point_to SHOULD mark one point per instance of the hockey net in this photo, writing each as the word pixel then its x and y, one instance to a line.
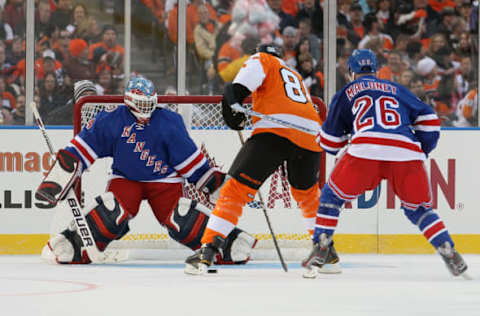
pixel 203 118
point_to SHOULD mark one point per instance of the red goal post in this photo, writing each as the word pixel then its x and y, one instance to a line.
pixel 204 121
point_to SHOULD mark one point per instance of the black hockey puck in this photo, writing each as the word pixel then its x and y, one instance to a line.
pixel 212 271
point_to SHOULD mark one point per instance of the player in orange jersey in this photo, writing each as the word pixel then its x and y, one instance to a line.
pixel 278 91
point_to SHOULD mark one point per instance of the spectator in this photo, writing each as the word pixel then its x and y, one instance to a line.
pixel 415 52
pixel 355 28
pixel 48 63
pixel 62 16
pixel 18 114
pixel 372 27
pixel 467 110
pixel 15 14
pixel 108 42
pixel 305 68
pixel 312 10
pixel 304 31
pixel 249 45
pixel 465 46
pixel 204 36
pixel 227 54
pixel 394 67
pixel 464 76
pixel 303 46
pixel 466 13
pixel 105 84
pixel 5 117
pixel 79 14
pixel 15 53
pixel 193 17
pixel 79 67
pixel 51 97
pixel 445 24
pixel 61 45
pixel 416 86
pixel 42 19
pixel 438 41
pixel 8 100
pixel 405 77
pixel 290 40
pixel 285 19
pixel 384 14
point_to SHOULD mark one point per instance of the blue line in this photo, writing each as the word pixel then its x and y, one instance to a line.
pixel 248 266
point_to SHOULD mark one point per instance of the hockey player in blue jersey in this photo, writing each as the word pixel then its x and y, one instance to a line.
pixel 389 133
pixel 152 157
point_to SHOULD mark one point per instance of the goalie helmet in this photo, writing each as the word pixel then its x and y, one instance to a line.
pixel 362 61
pixel 271 49
pixel 82 88
pixel 140 97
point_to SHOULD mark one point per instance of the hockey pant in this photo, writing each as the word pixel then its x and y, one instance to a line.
pixel 259 158
pixel 353 176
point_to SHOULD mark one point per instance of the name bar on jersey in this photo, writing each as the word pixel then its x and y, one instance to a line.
pixel 356 88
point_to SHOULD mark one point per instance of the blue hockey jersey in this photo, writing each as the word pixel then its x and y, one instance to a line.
pixel 161 151
pixel 380 120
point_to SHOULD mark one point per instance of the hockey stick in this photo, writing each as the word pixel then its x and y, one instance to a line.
pixel 83 229
pixel 264 209
pixel 237 107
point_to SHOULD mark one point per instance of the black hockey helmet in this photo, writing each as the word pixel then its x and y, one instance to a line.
pixel 271 49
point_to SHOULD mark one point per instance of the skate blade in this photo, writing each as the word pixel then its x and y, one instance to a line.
pixel 310 273
pixel 190 269
pixel 466 276
pixel 330 268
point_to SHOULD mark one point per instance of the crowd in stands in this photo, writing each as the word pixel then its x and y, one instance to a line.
pixel 429 46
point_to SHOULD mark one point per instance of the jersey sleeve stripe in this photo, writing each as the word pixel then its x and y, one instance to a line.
pixel 188 160
pixel 188 170
pixel 87 153
pixel 332 145
pixel 426 117
pixel 335 139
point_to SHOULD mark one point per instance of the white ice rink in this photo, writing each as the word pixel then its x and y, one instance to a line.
pixel 369 285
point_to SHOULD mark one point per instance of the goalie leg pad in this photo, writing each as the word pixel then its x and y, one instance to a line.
pixel 65 248
pixel 60 178
pixel 186 224
pixel 107 220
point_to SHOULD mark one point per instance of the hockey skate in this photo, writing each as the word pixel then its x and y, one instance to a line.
pixel 453 260
pixel 322 259
pixel 198 263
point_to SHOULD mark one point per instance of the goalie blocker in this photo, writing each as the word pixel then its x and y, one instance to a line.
pixel 109 221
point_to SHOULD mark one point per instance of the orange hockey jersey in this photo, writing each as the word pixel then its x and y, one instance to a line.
pixel 279 91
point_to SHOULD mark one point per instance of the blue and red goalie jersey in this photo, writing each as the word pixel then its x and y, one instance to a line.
pixel 382 120
pixel 161 151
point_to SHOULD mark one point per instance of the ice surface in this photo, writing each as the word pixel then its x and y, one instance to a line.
pixel 369 285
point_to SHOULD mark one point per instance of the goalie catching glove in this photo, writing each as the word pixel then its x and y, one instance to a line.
pixel 210 183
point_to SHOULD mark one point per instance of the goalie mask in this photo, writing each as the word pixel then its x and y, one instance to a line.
pixel 140 97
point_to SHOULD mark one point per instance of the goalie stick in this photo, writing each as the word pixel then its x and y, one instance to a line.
pixel 237 107
pixel 79 219
pixel 274 238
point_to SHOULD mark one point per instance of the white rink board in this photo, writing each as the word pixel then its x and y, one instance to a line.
pixel 454 154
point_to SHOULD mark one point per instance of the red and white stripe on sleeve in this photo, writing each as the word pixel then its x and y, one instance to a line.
pixel 331 143
pixel 87 154
pixel 191 164
pixel 427 123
